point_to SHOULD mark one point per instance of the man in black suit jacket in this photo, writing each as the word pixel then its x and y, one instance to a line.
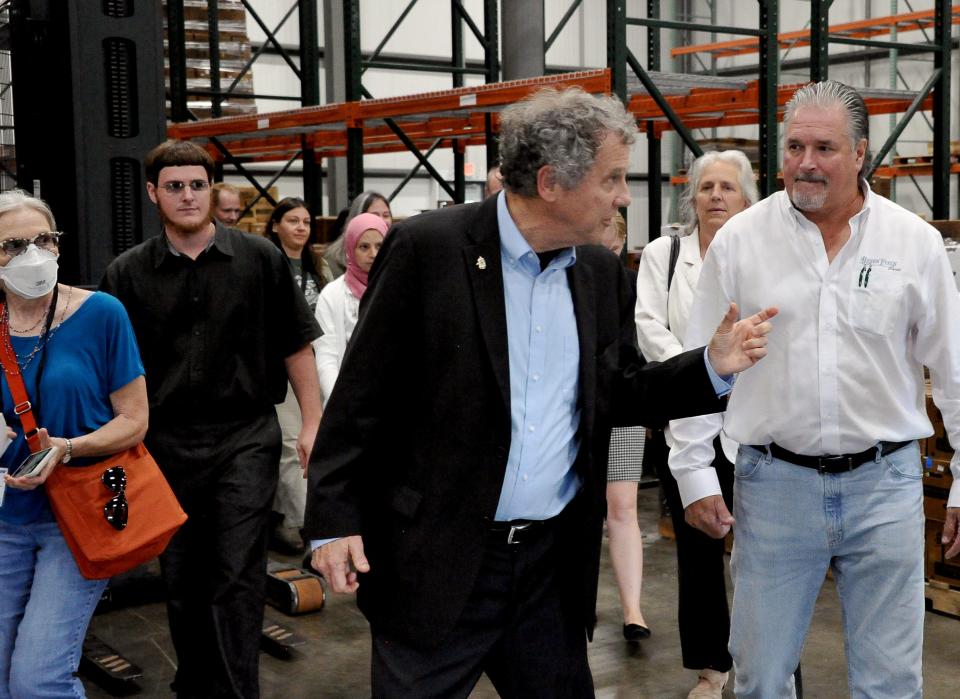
pixel 427 437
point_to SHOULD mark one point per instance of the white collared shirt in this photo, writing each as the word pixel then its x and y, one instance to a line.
pixel 846 355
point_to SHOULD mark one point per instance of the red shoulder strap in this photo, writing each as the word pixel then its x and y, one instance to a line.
pixel 22 406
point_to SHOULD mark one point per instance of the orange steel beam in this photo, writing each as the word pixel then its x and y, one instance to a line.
pixel 253 123
pixel 265 155
pixel 479 97
pixel 739 118
pixel 914 169
pixel 706 100
pixel 353 114
pixel 860 29
pixel 708 108
pixel 332 142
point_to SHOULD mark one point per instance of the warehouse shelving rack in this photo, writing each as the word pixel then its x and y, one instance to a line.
pixel 763 100
pixel 455 117
pixel 661 101
pixel 321 130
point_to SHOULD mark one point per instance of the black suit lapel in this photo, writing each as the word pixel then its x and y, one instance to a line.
pixel 484 270
pixel 582 288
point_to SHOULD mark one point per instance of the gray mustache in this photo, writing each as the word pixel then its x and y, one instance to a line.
pixel 810 178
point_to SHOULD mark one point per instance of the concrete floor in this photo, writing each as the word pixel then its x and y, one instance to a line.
pixel 335 662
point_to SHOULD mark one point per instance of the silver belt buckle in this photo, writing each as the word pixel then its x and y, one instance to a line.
pixel 514 528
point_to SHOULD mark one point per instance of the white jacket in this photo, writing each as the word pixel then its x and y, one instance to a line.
pixel 661 317
pixel 337 315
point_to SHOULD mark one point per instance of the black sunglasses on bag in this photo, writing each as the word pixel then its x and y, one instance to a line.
pixel 116 509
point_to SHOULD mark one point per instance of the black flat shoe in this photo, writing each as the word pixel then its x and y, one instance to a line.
pixel 634 633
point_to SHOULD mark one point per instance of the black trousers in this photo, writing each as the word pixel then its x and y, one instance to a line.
pixel 703 614
pixel 519 626
pixel 214 569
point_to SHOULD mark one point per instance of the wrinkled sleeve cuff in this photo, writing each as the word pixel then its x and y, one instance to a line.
pixel 721 384
pixel 697 484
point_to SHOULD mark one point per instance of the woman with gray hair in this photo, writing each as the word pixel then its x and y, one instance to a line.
pixel 720 185
pixel 77 356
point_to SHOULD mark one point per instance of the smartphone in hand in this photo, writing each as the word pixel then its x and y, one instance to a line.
pixel 34 464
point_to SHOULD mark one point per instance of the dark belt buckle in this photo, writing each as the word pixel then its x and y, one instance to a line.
pixel 825 464
pixel 514 528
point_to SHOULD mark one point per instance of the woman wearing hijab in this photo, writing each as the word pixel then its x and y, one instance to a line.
pixel 368 202
pixel 339 302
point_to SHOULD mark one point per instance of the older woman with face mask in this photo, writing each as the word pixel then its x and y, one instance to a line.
pixel 80 365
pixel 720 185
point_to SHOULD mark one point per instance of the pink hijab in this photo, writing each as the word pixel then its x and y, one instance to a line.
pixel 356 278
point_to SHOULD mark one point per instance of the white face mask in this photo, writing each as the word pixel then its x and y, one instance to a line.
pixel 31 274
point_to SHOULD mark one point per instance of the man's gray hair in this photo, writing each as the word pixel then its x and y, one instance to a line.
pixel 688 206
pixel 560 128
pixel 829 94
pixel 16 199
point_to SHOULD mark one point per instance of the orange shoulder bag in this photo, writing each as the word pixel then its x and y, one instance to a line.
pixel 114 514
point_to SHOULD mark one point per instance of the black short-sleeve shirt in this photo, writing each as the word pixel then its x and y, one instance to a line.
pixel 213 332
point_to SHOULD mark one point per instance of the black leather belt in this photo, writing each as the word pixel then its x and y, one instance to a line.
pixel 839 463
pixel 517 531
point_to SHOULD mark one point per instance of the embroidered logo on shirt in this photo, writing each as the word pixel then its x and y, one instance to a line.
pixel 481 263
pixel 868 263
pixel 890 265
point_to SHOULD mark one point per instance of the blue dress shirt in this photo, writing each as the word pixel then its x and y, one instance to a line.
pixel 544 360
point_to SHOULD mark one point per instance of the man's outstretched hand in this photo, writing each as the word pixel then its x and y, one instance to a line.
pixel 739 344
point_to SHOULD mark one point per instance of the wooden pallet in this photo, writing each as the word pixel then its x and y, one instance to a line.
pixel 942 598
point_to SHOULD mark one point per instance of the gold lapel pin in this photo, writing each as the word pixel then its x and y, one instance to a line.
pixel 481 263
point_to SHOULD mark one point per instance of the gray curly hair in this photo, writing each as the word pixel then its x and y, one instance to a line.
pixel 561 128
pixel 737 158
pixel 16 199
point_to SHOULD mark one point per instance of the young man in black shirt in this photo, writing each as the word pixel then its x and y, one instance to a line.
pixel 221 326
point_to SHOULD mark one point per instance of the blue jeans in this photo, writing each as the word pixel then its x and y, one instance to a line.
pixel 45 607
pixel 792 523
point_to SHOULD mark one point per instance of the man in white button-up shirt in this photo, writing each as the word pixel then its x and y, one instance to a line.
pixel 866 299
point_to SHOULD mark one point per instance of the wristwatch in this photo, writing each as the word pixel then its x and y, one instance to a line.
pixel 68 452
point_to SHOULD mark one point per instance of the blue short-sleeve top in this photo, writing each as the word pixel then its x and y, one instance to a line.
pixel 90 355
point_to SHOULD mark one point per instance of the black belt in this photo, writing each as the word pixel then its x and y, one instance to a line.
pixel 838 463
pixel 517 531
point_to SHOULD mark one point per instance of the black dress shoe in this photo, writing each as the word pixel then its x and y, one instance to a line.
pixel 634 633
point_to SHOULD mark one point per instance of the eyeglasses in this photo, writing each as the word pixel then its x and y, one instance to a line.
pixel 176 186
pixel 116 510
pixel 49 240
